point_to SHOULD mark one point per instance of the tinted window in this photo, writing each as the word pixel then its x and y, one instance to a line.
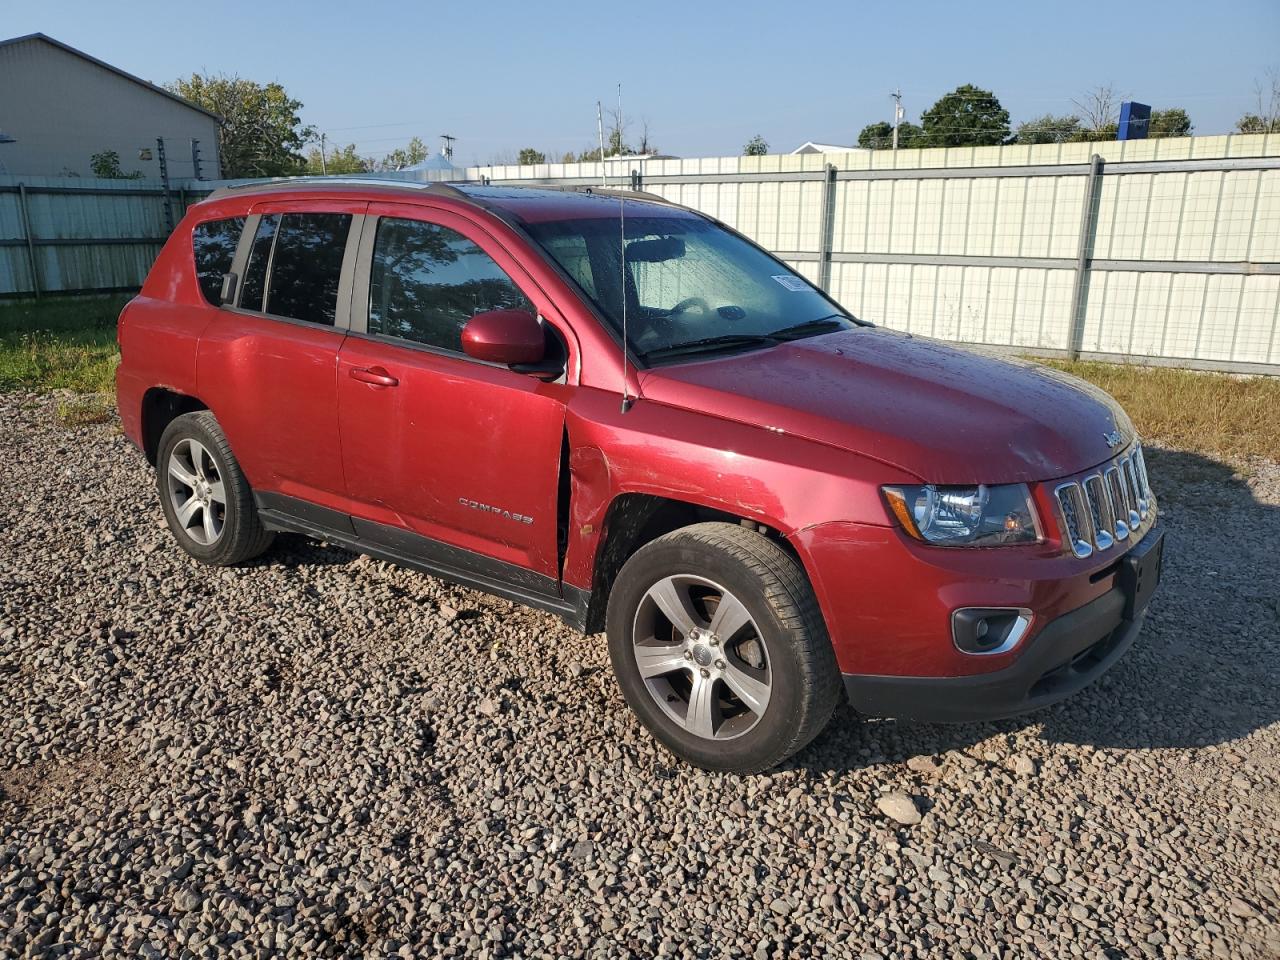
pixel 214 243
pixel 427 281
pixel 306 265
pixel 255 273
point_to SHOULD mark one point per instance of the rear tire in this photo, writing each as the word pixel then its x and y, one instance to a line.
pixel 206 499
pixel 719 647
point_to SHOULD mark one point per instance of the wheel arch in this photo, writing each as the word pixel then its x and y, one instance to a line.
pixel 635 519
pixel 160 407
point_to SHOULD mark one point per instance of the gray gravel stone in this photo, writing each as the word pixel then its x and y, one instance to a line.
pixel 900 807
pixel 291 758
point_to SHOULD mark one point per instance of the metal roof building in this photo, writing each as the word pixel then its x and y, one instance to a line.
pixel 59 106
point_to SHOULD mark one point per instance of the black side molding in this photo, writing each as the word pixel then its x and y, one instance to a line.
pixel 399 546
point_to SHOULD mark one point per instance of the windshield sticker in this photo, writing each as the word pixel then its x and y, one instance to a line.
pixel 794 284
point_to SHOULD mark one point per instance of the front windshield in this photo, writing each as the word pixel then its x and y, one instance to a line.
pixel 692 288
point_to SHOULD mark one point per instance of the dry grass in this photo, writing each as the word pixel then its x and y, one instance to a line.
pixel 1216 414
pixel 80 411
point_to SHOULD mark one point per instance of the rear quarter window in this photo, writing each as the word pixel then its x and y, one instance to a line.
pixel 214 243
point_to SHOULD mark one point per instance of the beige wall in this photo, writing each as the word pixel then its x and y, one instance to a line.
pixel 62 109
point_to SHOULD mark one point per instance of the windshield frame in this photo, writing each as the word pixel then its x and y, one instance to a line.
pixel 640 359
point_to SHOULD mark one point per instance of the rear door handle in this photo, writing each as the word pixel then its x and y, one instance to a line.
pixel 375 375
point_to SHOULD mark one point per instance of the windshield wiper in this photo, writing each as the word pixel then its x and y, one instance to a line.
pixel 810 327
pixel 712 344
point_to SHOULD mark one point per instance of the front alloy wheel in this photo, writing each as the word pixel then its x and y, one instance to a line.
pixel 719 647
pixel 702 657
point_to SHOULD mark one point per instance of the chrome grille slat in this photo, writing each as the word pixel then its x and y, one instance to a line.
pixel 1075 517
pixel 1103 519
pixel 1104 508
pixel 1119 504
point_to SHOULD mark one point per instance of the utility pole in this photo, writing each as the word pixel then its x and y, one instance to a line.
pixel 897 114
pixel 446 146
pixel 324 164
pixel 604 178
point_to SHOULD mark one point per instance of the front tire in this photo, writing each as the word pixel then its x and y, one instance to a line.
pixel 719 647
pixel 206 499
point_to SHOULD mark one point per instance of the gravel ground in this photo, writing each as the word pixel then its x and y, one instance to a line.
pixel 325 755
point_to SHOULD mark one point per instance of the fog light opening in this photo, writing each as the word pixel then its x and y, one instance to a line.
pixel 983 631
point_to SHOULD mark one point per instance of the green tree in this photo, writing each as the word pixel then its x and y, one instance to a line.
pixel 407 156
pixel 261 134
pixel 879 136
pixel 1048 129
pixel 1252 123
pixel 757 146
pixel 1266 118
pixel 569 157
pixel 1108 131
pixel 967 116
pixel 530 156
pixel 345 160
pixel 1173 122
pixel 106 165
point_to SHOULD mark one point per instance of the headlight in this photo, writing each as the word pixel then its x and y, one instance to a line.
pixel 980 516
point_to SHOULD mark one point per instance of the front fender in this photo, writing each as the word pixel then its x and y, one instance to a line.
pixel 784 482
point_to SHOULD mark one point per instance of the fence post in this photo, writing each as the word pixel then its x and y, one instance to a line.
pixel 164 180
pixel 826 238
pixel 26 233
pixel 1084 257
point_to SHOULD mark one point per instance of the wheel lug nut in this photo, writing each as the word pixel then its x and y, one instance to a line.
pixel 688 654
pixel 719 664
pixel 705 673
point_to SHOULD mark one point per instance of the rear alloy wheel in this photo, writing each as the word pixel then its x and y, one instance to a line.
pixel 720 649
pixel 196 492
pixel 206 499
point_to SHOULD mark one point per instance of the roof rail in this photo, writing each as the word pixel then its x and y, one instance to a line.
pixel 457 190
pixel 311 182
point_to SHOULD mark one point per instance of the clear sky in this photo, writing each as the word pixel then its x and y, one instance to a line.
pixel 707 76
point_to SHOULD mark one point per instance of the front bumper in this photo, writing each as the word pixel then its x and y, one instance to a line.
pixel 1065 656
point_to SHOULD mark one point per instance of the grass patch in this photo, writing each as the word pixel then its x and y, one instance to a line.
pixel 1211 413
pixel 83 410
pixel 60 343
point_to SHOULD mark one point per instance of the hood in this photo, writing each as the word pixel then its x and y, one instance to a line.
pixel 944 414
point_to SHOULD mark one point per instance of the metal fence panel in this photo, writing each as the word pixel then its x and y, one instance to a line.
pixel 1170 253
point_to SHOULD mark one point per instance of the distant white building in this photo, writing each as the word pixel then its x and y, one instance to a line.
pixel 810 147
pixel 60 106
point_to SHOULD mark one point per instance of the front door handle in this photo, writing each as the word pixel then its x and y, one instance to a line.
pixel 374 375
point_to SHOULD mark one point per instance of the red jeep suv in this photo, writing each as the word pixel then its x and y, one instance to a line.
pixel 621 411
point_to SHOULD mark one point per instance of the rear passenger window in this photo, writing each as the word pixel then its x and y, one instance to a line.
pixel 306 265
pixel 214 243
pixel 427 281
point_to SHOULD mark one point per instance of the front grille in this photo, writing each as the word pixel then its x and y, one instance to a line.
pixel 1106 507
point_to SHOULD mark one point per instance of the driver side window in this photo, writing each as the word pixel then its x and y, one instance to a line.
pixel 427 281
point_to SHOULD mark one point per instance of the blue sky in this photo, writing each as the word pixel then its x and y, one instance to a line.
pixel 707 76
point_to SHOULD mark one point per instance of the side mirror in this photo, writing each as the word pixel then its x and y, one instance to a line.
pixel 511 337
